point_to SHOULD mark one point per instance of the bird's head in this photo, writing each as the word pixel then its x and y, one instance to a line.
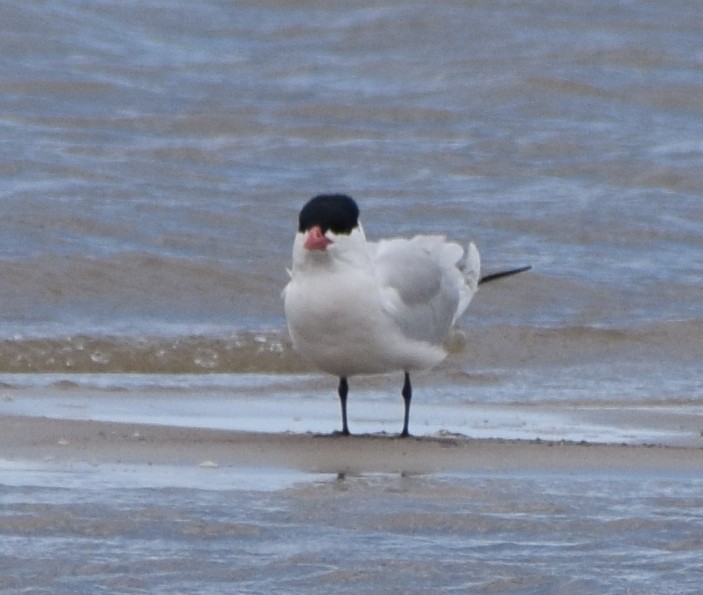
pixel 328 228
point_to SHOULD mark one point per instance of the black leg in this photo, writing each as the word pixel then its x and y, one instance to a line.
pixel 343 390
pixel 407 395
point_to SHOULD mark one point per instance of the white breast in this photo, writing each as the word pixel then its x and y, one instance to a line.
pixel 361 308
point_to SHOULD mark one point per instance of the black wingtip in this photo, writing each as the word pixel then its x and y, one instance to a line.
pixel 501 274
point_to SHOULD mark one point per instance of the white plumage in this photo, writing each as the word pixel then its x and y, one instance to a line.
pixel 368 308
pixel 358 307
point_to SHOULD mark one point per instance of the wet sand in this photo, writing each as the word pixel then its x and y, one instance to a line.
pixel 133 507
pixel 36 438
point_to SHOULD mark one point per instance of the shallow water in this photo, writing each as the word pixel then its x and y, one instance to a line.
pixel 116 527
pixel 262 403
pixel 155 156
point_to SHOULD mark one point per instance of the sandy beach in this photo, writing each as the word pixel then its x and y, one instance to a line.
pixel 143 484
pixel 142 508
pixel 37 438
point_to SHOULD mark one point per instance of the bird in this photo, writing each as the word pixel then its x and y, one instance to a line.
pixel 356 307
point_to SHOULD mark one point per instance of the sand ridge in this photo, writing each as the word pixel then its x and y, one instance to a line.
pixel 38 438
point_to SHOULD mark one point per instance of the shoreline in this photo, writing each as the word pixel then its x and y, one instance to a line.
pixel 50 440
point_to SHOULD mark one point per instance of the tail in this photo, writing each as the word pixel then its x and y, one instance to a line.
pixel 470 268
pixel 501 274
pixel 471 271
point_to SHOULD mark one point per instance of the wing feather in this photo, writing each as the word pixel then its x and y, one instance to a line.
pixel 422 287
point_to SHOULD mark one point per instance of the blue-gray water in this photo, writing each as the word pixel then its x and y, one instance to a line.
pixel 154 155
pixel 376 534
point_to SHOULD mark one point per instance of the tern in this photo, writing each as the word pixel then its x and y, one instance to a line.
pixel 356 307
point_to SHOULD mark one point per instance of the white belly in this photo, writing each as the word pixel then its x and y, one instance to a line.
pixel 338 324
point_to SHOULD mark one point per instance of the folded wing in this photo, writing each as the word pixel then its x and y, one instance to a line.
pixel 425 286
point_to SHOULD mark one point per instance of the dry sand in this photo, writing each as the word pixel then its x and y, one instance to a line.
pixel 36 438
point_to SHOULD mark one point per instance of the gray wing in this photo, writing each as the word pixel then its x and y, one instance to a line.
pixel 422 288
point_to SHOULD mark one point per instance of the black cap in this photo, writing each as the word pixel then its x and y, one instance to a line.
pixel 335 212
